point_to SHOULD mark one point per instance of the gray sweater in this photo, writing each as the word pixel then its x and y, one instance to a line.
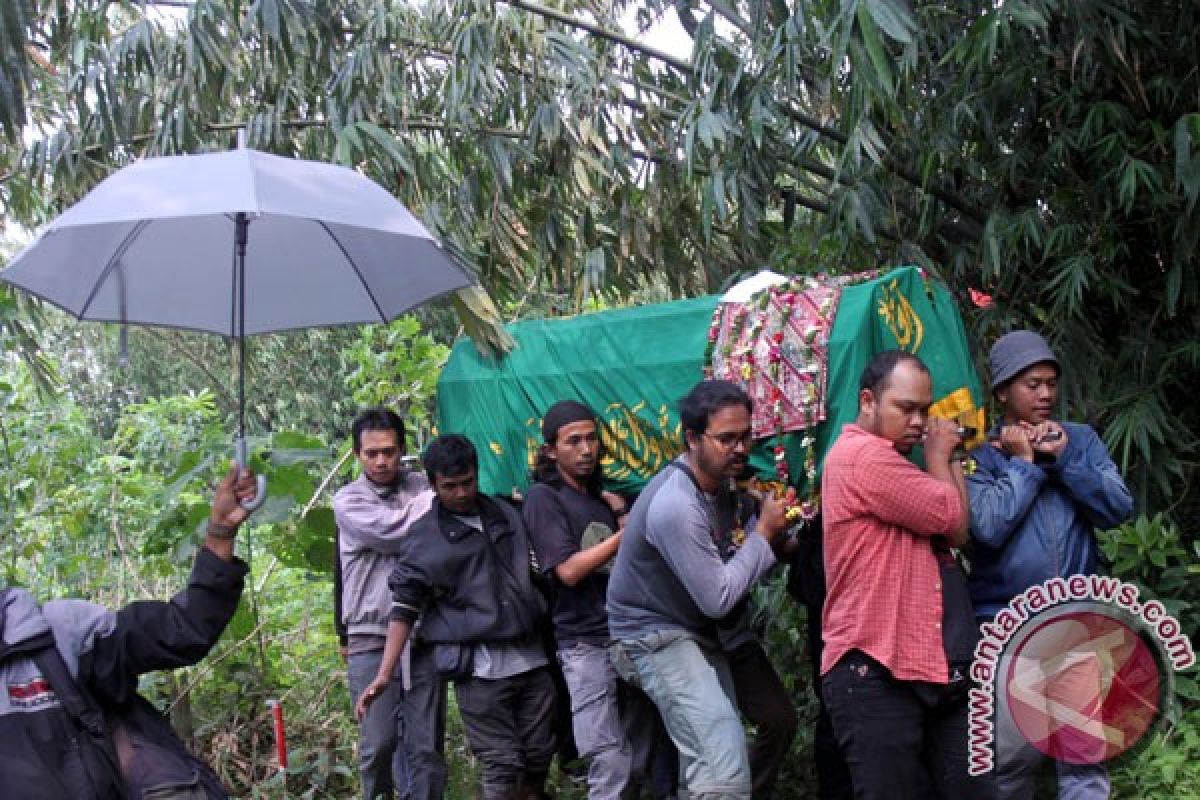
pixel 668 575
pixel 371 527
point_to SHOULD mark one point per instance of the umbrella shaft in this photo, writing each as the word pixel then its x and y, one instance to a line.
pixel 241 226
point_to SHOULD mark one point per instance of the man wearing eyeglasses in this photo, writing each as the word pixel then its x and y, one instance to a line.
pixel 670 587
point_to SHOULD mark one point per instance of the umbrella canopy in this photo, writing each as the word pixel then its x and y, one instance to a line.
pixel 154 244
pixel 236 243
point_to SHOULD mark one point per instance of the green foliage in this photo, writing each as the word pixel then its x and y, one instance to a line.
pixel 782 624
pixel 397 366
pixel 1045 152
pixel 1167 768
pixel 1152 553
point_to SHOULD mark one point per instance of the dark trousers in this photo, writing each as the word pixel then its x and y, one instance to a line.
pixel 833 776
pixel 509 724
pixel 764 701
pixel 892 732
pixel 425 726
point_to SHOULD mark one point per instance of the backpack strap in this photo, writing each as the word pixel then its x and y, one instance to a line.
pixel 99 757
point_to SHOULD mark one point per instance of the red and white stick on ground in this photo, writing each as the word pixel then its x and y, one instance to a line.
pixel 280 735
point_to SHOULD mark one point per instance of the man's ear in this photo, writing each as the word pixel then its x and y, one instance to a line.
pixel 866 401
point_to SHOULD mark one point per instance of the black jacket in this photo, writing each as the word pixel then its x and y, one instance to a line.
pixel 106 651
pixel 464 585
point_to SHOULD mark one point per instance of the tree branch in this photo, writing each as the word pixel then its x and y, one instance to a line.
pixel 600 32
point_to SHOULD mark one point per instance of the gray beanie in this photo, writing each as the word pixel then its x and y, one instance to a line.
pixel 1015 352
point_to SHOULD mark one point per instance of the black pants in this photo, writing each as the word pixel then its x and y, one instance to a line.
pixel 425 726
pixel 892 732
pixel 764 701
pixel 833 776
pixel 509 724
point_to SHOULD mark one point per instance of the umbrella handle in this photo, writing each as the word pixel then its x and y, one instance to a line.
pixel 260 496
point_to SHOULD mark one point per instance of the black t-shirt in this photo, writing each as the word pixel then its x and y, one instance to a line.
pixel 558 518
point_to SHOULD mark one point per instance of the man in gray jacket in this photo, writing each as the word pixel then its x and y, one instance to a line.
pixel 400 740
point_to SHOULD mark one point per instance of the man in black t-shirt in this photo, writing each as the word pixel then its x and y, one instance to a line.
pixel 575 530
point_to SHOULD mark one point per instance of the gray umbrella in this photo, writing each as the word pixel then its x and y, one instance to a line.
pixel 236 243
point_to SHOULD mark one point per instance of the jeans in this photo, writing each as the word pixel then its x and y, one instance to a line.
pixel 1018 762
pixel 596 719
pixel 693 689
pixel 381 762
pixel 898 742
pixel 766 704
pixel 509 723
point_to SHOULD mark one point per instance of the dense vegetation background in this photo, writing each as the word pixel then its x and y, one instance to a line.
pixel 1044 154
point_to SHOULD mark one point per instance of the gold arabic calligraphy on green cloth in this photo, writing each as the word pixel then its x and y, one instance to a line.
pixel 632 366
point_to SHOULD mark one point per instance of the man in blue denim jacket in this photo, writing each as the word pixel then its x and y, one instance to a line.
pixel 1040 490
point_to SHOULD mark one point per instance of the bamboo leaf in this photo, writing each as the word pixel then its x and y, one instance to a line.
pixel 893 17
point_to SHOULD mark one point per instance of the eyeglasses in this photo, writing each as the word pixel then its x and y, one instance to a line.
pixel 731 439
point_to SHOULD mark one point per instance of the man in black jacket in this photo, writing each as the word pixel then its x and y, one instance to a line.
pixel 53 743
pixel 464 572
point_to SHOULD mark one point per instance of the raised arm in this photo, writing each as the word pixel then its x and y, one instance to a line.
pixel 117 647
pixel 550 533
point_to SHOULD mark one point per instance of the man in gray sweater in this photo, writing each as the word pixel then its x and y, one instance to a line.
pixel 400 750
pixel 670 587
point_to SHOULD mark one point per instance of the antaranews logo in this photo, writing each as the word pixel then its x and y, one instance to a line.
pixel 1078 668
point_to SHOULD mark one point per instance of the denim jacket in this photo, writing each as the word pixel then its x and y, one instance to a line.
pixel 1033 522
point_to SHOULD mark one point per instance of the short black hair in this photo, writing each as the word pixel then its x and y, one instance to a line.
pixel 878 373
pixel 377 419
pixel 449 455
pixel 707 398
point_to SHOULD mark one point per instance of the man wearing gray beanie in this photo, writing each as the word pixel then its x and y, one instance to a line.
pixel 1039 490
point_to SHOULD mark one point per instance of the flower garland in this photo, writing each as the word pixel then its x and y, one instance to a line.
pixel 786 297
pixel 730 349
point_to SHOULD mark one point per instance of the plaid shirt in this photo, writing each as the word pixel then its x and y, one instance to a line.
pixel 884 586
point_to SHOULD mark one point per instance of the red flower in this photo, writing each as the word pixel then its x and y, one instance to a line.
pixel 980 299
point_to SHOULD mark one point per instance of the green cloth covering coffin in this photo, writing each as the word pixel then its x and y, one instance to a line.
pixel 632 366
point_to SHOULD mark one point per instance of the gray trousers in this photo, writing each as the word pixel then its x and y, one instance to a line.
pixel 425 726
pixel 382 767
pixel 600 734
pixel 401 741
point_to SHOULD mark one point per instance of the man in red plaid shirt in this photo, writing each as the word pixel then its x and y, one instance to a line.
pixel 898 704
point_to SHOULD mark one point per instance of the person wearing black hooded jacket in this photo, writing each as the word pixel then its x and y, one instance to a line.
pixel 72 724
